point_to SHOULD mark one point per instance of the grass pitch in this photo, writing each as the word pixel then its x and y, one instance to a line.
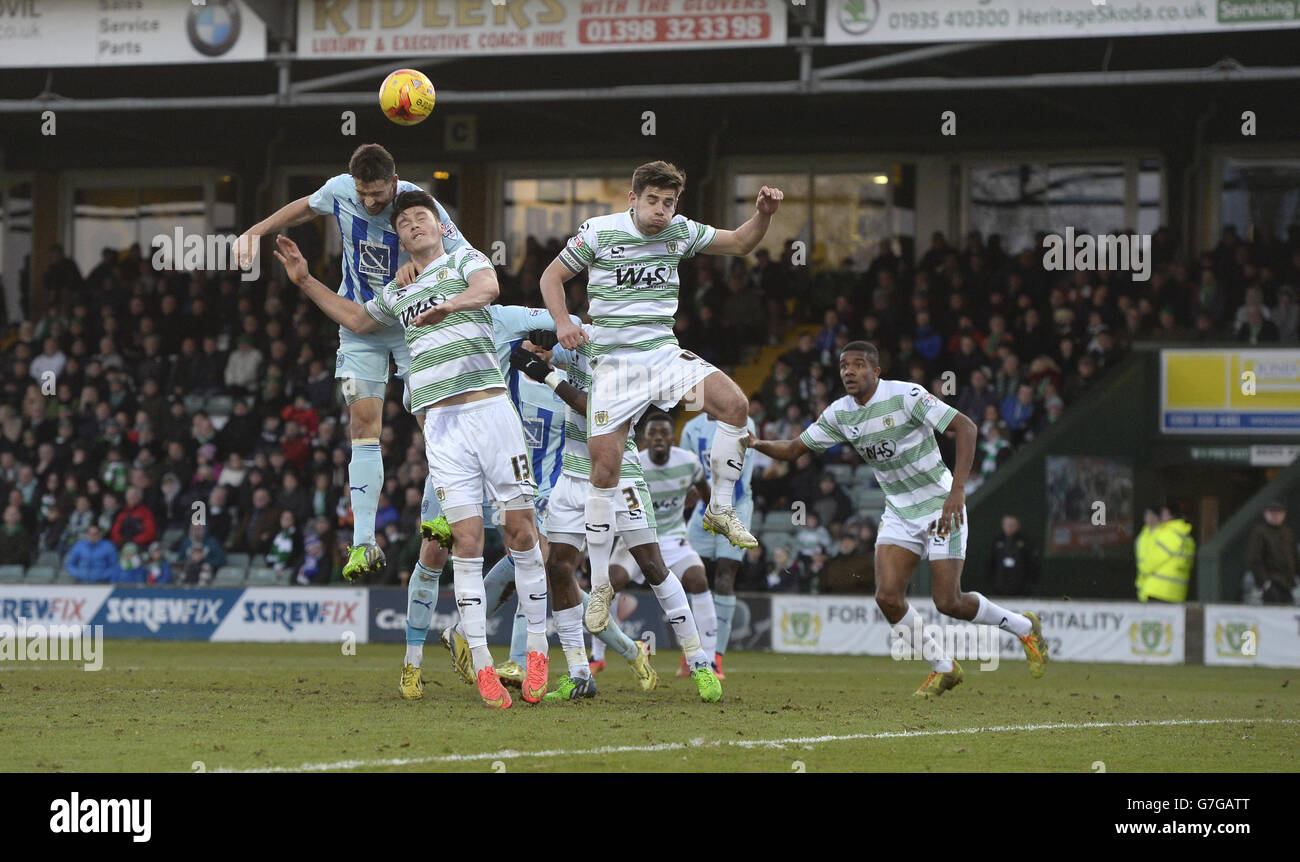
pixel 185 707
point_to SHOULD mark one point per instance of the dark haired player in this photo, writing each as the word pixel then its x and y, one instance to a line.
pixel 632 259
pixel 362 201
pixel 891 424
pixel 473 437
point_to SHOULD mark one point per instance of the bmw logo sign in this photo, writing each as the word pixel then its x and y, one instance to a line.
pixel 213 27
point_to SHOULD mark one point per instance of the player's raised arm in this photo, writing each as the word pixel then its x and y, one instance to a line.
pixel 342 311
pixel 781 450
pixel 577 255
pixel 516 322
pixel 746 238
pixel 287 216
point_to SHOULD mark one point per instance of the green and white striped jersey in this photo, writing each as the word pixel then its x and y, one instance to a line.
pixel 669 482
pixel 577 460
pixel 632 281
pixel 894 433
pixel 455 356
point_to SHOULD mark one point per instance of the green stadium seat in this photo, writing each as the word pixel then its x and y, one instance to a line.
pixel 63 576
pixel 264 577
pixel 770 540
pixel 220 405
pixel 777 519
pixel 843 474
pixel 237 561
pixel 49 558
pixel 228 576
pixel 10 574
pixel 172 537
pixel 194 403
pixel 40 575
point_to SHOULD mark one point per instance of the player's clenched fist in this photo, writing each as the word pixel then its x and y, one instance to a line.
pixel 769 199
pixel 570 334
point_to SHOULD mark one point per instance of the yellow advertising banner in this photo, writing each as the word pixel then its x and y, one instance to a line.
pixel 1253 391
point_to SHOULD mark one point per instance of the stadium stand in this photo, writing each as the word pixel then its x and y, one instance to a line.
pixel 184 388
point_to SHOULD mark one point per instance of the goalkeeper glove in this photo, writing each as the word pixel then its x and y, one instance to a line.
pixel 530 364
pixel 543 338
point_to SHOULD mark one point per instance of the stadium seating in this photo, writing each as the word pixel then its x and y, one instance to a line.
pixel 229 576
pixel 10 574
pixel 41 575
pixel 237 561
pixel 263 577
pixel 777 520
pixel 49 558
pixel 843 474
pixel 220 405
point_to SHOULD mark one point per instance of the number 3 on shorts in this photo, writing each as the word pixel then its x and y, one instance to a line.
pixel 632 502
pixel 520 463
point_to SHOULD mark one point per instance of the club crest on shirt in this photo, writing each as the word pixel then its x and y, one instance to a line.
pixel 534 432
pixel 889 421
pixel 601 417
pixel 442 274
pixel 671 245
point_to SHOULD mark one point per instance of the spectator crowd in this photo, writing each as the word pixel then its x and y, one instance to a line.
pixel 152 424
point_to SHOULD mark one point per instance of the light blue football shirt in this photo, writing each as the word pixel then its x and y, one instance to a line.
pixel 540 410
pixel 697 438
pixel 371 256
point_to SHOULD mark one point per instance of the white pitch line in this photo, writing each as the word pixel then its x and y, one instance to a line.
pixel 511 754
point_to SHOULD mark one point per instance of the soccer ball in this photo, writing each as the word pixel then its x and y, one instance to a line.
pixel 406 97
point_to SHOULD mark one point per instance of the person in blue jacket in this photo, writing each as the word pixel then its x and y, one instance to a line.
pixel 94 558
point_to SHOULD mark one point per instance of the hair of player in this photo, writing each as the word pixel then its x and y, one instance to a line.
pixel 661 175
pixel 654 416
pixel 371 162
pixel 873 355
pixel 411 200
